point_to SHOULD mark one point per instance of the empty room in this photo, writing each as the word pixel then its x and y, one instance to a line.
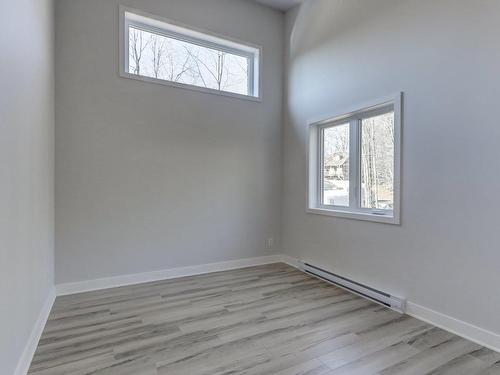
pixel 249 187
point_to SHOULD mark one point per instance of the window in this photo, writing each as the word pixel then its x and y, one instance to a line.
pixel 354 162
pixel 156 50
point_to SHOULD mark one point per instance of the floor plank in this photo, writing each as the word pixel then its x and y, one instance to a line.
pixel 270 319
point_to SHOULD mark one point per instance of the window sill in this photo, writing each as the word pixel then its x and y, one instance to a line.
pixel 189 87
pixel 365 216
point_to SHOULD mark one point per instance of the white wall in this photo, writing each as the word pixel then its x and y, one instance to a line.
pixel 150 177
pixel 26 172
pixel 444 55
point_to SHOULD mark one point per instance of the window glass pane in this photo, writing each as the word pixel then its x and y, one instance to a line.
pixel 336 165
pixel 166 58
pixel 377 162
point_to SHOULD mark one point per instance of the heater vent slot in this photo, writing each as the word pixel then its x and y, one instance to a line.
pixel 383 298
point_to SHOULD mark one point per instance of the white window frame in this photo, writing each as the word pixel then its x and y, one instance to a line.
pixel 353 116
pixel 163 26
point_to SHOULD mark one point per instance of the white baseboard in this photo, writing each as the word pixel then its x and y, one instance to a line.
pixel 466 330
pixel 290 261
pixel 30 348
pixel 113 282
pixel 458 327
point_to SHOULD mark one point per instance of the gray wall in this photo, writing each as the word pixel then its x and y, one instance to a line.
pixel 151 177
pixel 26 171
pixel 444 56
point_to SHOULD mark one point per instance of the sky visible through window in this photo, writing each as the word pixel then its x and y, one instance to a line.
pixel 169 59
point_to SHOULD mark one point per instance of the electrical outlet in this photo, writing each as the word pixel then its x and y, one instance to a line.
pixel 270 243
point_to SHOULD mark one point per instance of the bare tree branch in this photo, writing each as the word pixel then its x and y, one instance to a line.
pixel 197 61
pixel 137 46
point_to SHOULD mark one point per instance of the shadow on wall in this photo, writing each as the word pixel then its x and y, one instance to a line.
pixel 316 29
pixel 321 31
pixel 317 23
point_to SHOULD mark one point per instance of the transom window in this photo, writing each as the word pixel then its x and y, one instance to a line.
pixel 354 163
pixel 157 50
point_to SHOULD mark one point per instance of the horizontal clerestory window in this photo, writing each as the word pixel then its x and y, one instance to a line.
pixel 161 51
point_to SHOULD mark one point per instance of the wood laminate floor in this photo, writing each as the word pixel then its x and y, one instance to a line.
pixel 269 319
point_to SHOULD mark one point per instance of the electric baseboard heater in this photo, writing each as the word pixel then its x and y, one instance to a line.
pixel 395 303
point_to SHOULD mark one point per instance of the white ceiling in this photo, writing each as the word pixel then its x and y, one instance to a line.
pixel 281 4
